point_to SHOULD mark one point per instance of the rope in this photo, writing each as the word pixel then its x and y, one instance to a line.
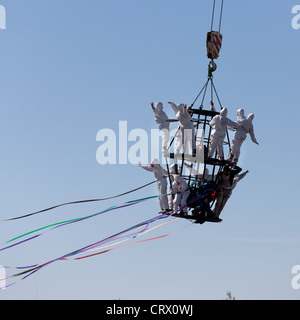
pixel 204 87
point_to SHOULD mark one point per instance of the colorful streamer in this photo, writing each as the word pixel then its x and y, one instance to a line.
pixel 32 269
pixel 67 222
pixel 78 202
pixel 132 232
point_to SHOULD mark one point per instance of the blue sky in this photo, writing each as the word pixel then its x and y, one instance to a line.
pixel 69 69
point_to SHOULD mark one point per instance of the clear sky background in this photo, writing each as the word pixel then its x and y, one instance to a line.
pixel 70 68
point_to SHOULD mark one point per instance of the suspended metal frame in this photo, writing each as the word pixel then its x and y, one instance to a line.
pixel 201 118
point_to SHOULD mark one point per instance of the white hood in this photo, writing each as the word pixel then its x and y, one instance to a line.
pixel 224 113
pixel 241 114
pixel 155 161
pixel 177 178
pixel 159 106
pixel 180 107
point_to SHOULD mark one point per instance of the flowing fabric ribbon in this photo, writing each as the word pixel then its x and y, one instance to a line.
pixel 80 201
pixel 67 222
pixel 32 269
pixel 130 232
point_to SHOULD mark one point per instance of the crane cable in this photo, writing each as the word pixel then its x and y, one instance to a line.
pixel 213 15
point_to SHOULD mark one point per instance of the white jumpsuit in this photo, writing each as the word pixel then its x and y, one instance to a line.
pixel 181 195
pixel 163 124
pixel 240 135
pixel 160 174
pixel 219 123
pixel 186 136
